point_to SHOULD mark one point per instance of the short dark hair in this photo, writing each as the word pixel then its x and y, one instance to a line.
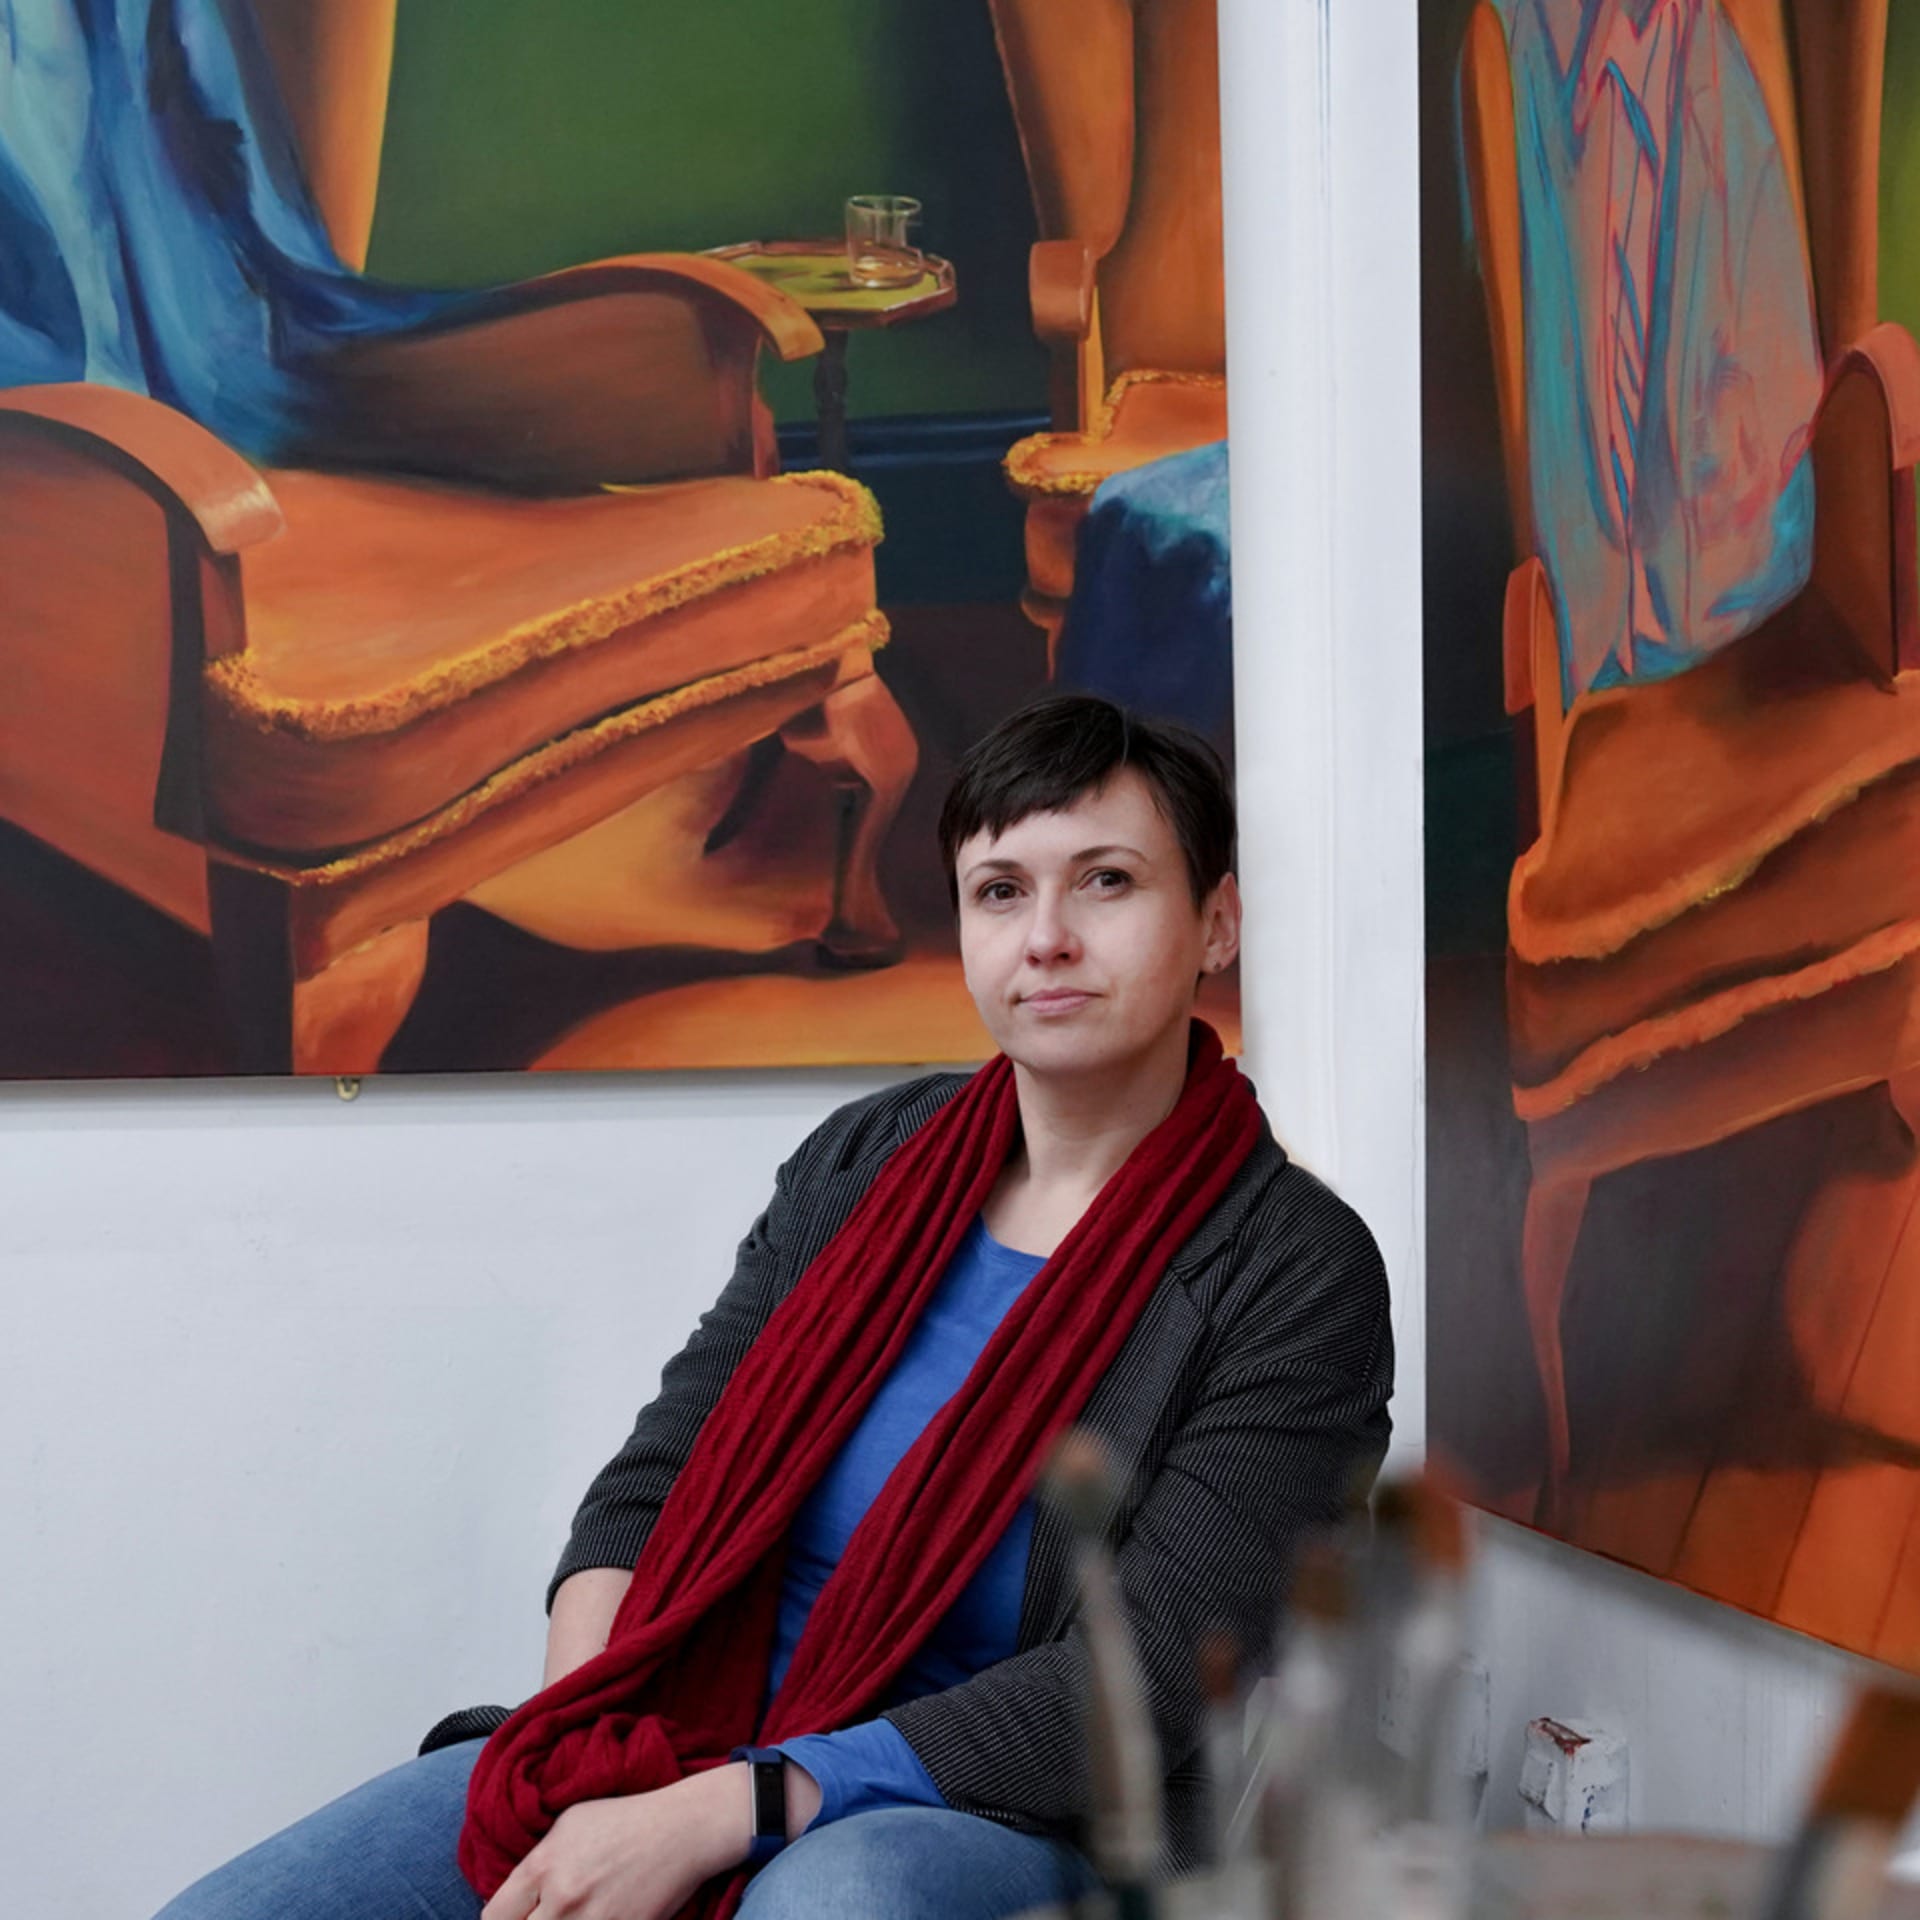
pixel 1044 757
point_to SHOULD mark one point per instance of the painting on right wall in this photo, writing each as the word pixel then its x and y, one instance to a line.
pixel 1671 254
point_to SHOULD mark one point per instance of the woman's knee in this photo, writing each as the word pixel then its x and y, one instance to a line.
pixel 387 1846
pixel 912 1863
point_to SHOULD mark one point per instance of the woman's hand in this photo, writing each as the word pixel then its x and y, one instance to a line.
pixel 640 1857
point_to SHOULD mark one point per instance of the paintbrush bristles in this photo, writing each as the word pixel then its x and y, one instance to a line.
pixel 1219 1667
pixel 1417 1511
pixel 1874 1771
pixel 1079 1479
pixel 1322 1587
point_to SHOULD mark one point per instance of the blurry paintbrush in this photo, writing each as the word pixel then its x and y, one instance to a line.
pixel 1123 1757
pixel 1835 1867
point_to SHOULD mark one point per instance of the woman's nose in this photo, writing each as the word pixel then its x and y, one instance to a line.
pixel 1050 934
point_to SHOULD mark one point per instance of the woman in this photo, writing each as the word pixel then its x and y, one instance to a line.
pixel 810 1620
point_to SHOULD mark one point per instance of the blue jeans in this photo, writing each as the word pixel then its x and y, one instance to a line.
pixel 385 1852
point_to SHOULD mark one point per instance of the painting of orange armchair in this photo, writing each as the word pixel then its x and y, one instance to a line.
pixel 1118 109
pixel 547 567
pixel 1714 919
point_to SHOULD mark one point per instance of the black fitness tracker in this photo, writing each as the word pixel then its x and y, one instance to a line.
pixel 767 1771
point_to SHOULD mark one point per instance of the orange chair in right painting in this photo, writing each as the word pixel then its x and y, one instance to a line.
pixel 1711 639
pixel 1118 107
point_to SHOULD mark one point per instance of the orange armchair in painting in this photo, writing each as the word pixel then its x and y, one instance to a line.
pixel 1118 108
pixel 513 561
pixel 1711 646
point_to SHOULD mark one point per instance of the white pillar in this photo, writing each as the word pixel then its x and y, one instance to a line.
pixel 1323 340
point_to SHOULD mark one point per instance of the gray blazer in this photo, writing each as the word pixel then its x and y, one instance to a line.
pixel 1245 1408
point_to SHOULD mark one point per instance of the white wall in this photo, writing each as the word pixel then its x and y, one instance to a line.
pixel 1726 1717
pixel 295 1397
pixel 295 1400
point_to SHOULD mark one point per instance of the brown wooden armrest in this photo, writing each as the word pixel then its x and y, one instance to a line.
pixel 1060 284
pixel 785 325
pixel 1530 649
pixel 180 463
pixel 636 369
pixel 122 535
pixel 1863 594
pixel 1889 356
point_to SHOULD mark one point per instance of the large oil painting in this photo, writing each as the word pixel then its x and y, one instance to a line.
pixel 500 554
pixel 1672 409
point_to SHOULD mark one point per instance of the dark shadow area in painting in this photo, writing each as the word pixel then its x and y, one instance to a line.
pixel 95 984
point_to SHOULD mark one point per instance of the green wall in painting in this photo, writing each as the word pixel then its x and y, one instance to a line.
pixel 522 138
pixel 1900 170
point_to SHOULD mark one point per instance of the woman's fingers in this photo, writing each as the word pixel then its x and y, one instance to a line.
pixel 519 1893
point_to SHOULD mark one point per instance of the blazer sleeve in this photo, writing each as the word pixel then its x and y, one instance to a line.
pixel 1286 1424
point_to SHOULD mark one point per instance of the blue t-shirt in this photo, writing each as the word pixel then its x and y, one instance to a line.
pixel 871 1765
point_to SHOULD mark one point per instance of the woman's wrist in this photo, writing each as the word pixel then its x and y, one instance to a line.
pixel 720 1815
pixel 803 1799
pixel 721 1803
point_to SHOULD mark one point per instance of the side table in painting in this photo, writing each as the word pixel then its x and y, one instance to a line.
pixel 814 272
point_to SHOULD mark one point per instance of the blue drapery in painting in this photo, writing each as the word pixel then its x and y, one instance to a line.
pixel 1672 367
pixel 1150 623
pixel 155 232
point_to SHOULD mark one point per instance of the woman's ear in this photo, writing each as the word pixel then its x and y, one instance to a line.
pixel 1220 917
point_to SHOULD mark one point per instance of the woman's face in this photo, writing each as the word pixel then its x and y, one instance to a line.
pixel 1078 931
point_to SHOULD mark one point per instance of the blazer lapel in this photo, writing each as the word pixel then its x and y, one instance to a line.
pixel 1123 1411
pixel 1128 1408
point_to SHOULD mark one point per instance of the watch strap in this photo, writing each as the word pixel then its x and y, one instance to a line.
pixel 767 1777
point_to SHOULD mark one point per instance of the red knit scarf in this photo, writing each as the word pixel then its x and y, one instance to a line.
pixel 683 1678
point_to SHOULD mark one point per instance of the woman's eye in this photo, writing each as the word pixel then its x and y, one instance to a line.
pixel 1109 880
pixel 995 892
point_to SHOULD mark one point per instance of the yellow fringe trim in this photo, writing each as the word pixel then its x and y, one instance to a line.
pixel 235 685
pixel 574 749
pixel 1688 1027
pixel 1024 459
pixel 1154 377
pixel 1597 935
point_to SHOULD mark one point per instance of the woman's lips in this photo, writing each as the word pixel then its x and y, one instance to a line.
pixel 1057 1000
